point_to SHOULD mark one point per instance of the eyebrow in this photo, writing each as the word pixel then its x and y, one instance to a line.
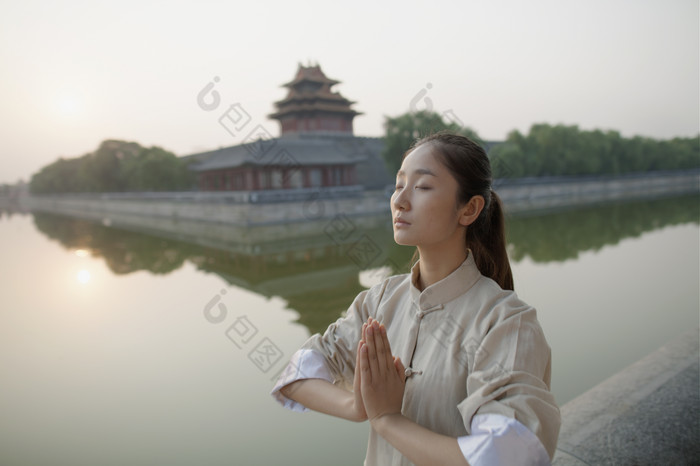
pixel 419 171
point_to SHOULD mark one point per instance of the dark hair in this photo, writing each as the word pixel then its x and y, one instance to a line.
pixel 470 166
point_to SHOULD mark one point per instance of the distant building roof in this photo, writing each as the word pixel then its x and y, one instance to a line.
pixel 302 150
pixel 311 73
pixel 311 106
pixel 316 126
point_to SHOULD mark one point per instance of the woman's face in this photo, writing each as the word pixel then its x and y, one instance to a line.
pixel 424 204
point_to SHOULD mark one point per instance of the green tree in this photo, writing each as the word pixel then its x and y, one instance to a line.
pixel 566 150
pixel 155 169
pixel 115 166
pixel 508 161
pixel 402 131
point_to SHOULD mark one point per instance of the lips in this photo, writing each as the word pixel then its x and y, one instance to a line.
pixel 398 221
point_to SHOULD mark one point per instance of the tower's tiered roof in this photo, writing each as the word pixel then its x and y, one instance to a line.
pixel 311 105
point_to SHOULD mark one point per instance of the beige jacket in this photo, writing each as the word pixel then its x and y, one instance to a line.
pixel 469 348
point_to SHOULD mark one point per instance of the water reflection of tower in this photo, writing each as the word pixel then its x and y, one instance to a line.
pixel 313 273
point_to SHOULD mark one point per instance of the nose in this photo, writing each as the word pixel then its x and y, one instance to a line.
pixel 400 200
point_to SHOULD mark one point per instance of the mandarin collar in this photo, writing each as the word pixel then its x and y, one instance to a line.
pixel 458 282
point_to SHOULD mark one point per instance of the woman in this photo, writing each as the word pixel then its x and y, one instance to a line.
pixel 446 363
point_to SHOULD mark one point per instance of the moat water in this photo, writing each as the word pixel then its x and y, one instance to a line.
pixel 120 347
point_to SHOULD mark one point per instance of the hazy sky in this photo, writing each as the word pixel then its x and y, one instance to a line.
pixel 74 73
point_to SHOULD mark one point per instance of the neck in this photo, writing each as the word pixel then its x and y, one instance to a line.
pixel 436 265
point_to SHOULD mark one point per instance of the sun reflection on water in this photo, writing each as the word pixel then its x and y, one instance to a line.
pixel 84 276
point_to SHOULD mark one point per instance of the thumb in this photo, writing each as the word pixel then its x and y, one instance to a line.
pixel 399 368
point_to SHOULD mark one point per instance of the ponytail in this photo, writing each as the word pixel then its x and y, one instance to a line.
pixel 486 237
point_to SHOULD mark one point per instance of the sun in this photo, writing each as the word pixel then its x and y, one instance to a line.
pixel 68 105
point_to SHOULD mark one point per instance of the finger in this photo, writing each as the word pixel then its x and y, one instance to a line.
pixel 357 379
pixel 400 369
pixel 366 376
pixel 372 351
pixel 379 345
pixel 364 329
pixel 357 361
pixel 389 358
pixel 384 360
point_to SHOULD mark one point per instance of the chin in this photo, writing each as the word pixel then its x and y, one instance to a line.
pixel 401 240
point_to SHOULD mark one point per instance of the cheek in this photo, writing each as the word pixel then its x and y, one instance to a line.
pixel 435 208
pixel 441 216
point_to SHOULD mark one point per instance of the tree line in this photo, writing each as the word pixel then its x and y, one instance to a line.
pixel 115 166
pixel 550 150
pixel 567 150
pixel 546 150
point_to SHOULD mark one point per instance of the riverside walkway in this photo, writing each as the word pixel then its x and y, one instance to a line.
pixel 649 413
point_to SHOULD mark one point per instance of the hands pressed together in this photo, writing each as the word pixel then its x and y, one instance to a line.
pixel 379 376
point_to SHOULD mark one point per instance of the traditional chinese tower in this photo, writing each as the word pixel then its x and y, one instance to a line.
pixel 311 106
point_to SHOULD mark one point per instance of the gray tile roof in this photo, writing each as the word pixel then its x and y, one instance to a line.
pixel 282 151
pixel 304 149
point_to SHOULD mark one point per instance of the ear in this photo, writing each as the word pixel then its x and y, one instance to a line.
pixel 471 210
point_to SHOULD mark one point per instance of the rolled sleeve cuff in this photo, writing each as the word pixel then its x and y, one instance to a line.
pixel 497 439
pixel 304 364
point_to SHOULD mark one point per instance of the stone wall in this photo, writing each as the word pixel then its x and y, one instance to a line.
pixel 247 209
pixel 532 194
pixel 212 208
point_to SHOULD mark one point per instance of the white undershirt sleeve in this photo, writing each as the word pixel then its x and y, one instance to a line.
pixel 304 364
pixel 497 440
